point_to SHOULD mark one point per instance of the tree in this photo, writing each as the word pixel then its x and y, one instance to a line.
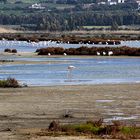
pixel 3 1
pixel 114 26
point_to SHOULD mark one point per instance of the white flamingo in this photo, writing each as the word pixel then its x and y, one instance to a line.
pixel 110 53
pixel 70 68
pixel 104 53
pixel 65 54
pixel 98 53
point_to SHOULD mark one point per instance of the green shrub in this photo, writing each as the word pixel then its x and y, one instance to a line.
pixel 82 128
pixel 115 130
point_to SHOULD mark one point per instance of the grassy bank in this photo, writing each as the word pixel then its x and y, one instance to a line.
pixel 91 129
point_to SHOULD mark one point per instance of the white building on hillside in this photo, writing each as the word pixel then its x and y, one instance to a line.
pixel 121 1
pixel 111 2
pixel 138 2
pixel 36 6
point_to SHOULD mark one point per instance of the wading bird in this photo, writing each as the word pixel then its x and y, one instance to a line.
pixel 70 68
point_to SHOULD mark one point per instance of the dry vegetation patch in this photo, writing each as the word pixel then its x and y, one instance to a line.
pixel 115 51
pixel 9 83
pixel 90 129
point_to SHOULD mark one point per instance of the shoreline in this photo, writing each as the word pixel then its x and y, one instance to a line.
pixel 94 84
pixel 35 55
pixel 31 55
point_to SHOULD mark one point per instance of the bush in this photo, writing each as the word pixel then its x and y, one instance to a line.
pixel 14 51
pixel 94 129
pixel 83 50
pixel 9 82
pixel 37 50
pixel 124 50
pixel 51 50
pixel 45 51
pixel 8 50
pixel 97 123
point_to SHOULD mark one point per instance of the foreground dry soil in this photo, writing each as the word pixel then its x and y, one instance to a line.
pixel 35 107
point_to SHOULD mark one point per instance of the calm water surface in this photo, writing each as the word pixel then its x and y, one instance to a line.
pixel 87 71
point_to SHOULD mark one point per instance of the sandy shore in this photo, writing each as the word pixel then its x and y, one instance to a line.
pixel 7 30
pixel 36 107
pixel 35 55
pixel 28 55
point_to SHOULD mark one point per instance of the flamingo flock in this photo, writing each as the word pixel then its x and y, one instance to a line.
pixel 42 44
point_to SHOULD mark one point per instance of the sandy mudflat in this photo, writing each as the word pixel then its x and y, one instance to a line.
pixel 7 30
pixel 32 55
pixel 36 107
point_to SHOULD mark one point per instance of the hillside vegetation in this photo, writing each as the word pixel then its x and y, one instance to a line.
pixel 63 15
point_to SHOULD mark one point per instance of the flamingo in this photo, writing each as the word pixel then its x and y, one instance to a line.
pixel 70 68
pixel 110 53
pixel 49 54
pixel 104 53
pixel 98 53
pixel 65 54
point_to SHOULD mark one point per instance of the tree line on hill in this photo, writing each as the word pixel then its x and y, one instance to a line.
pixel 3 1
pixel 70 21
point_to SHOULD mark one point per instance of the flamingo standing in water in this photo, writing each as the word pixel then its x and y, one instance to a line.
pixel 70 68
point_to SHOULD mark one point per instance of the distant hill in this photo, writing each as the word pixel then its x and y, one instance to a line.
pixel 52 1
pixel 26 1
pixel 61 15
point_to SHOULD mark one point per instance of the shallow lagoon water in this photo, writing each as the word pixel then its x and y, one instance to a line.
pixel 88 71
pixel 94 70
pixel 23 46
